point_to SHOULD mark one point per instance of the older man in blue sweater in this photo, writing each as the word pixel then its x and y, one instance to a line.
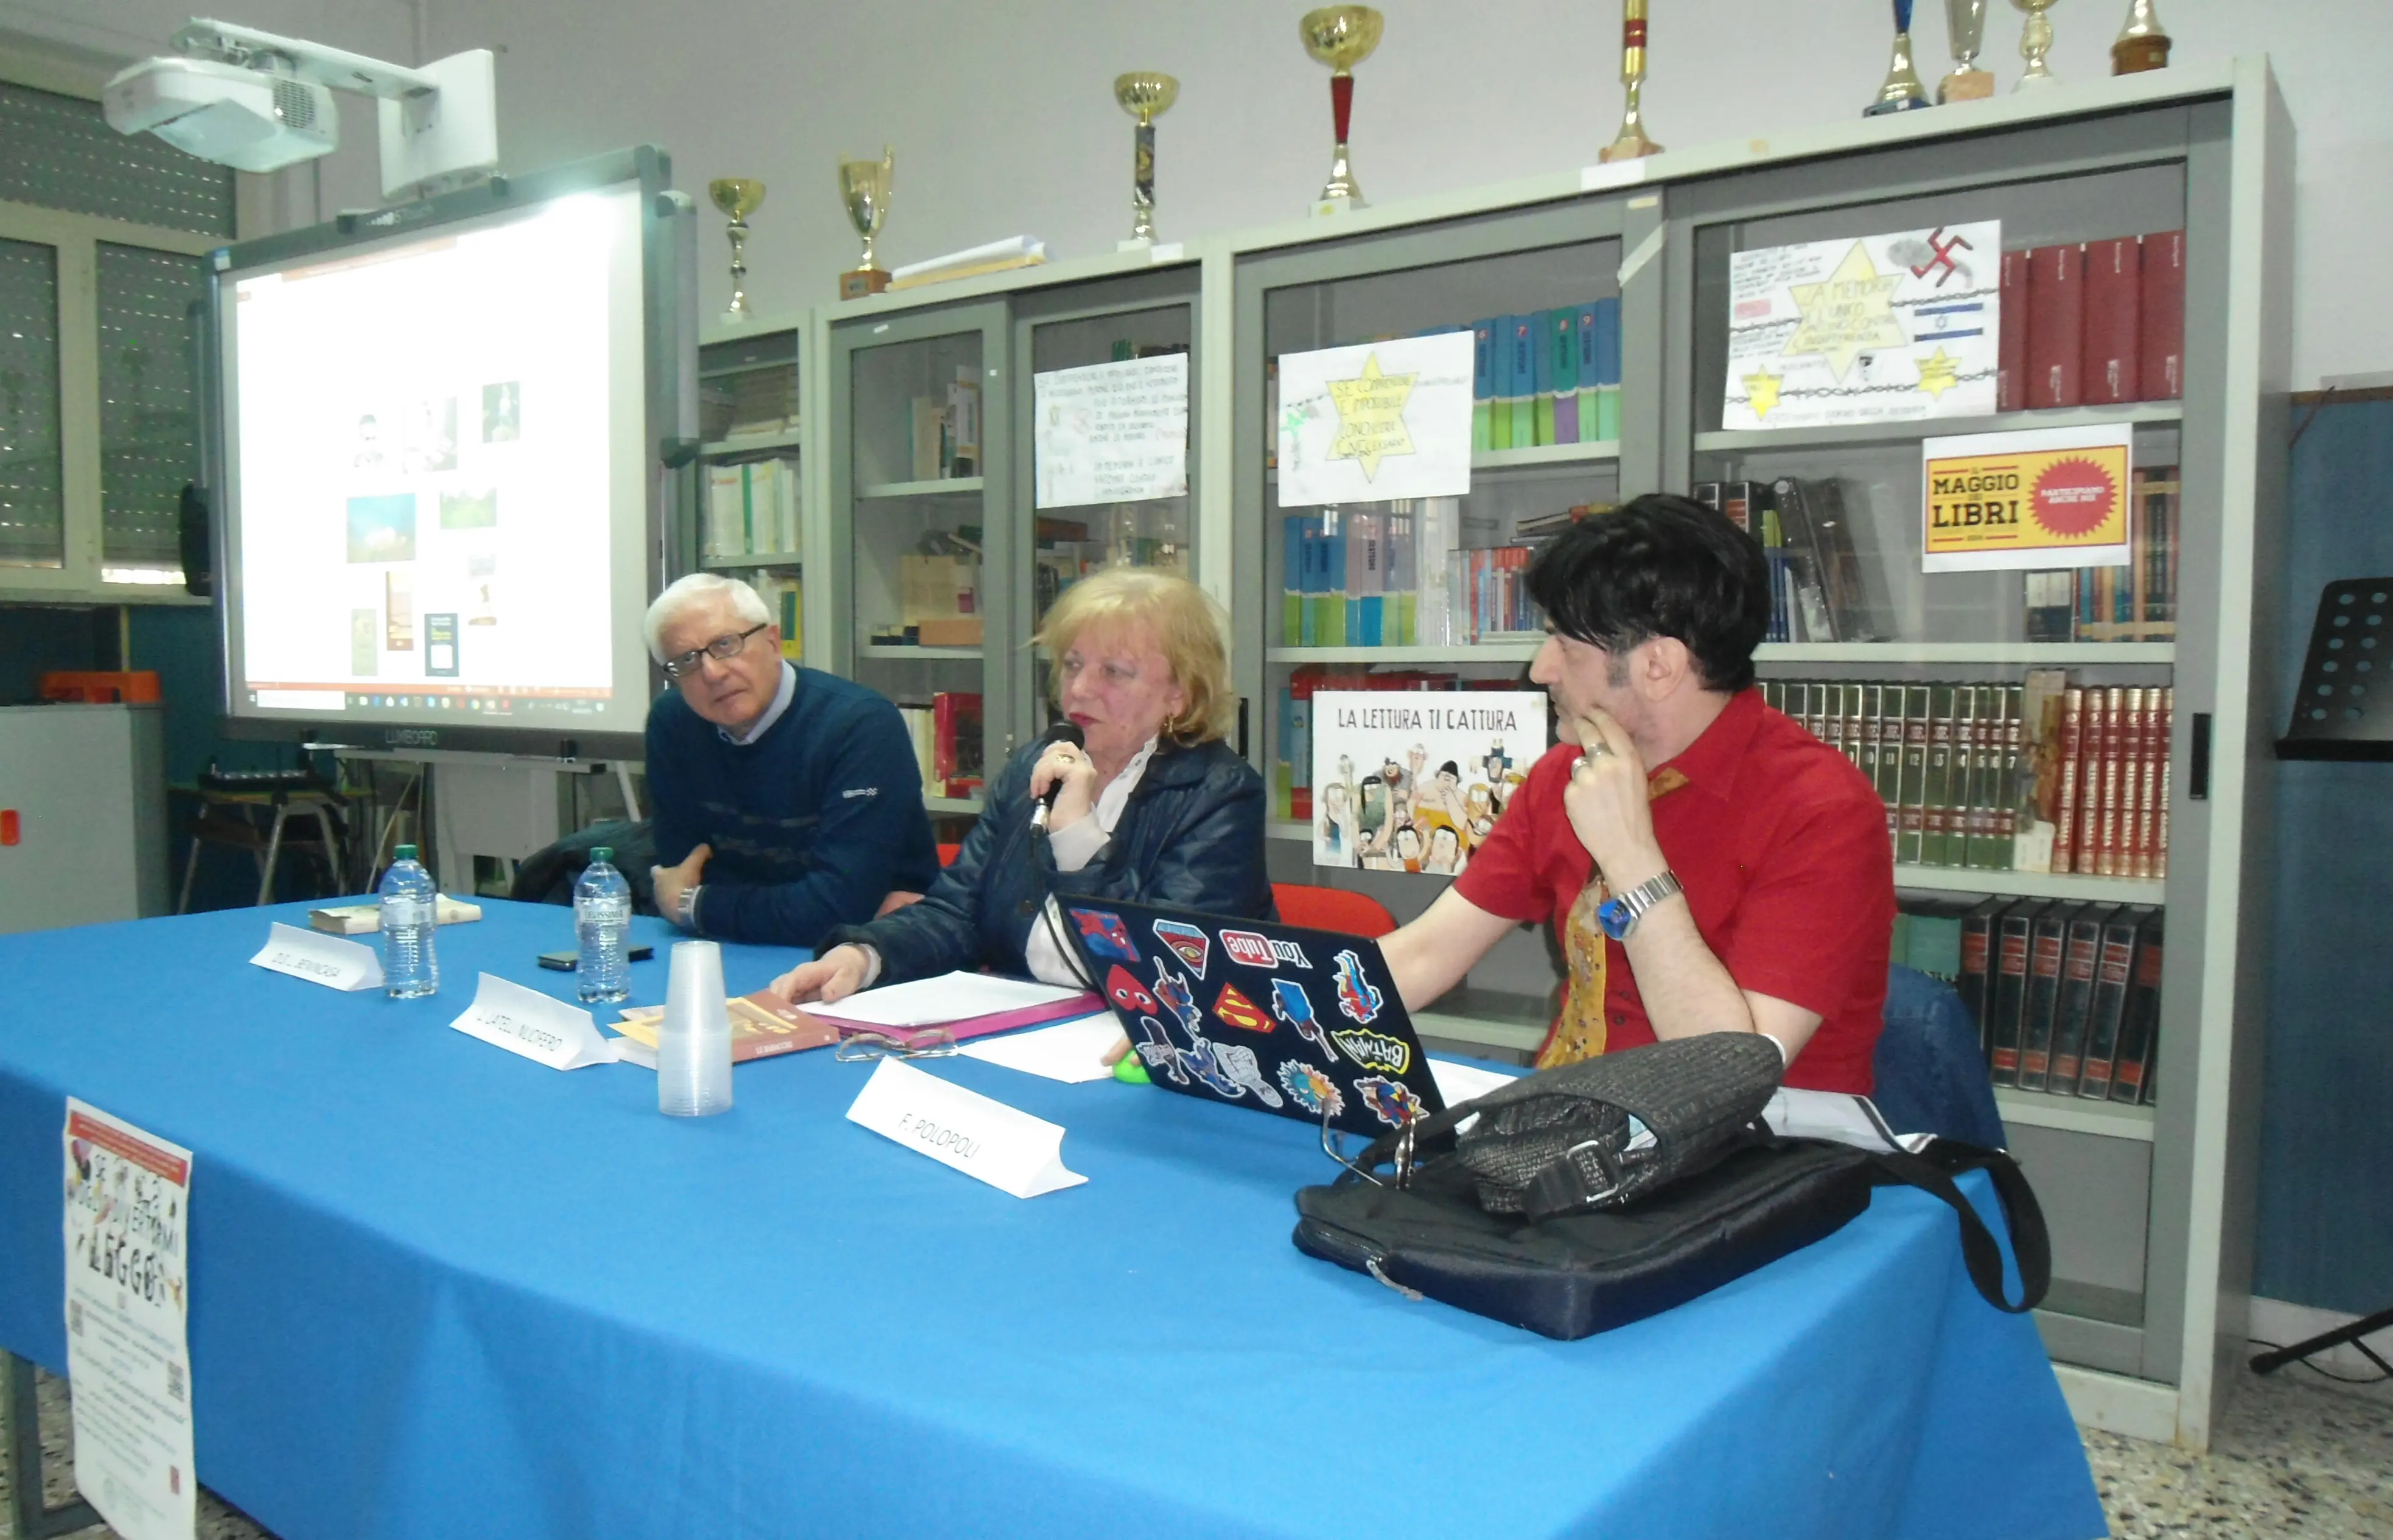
pixel 786 800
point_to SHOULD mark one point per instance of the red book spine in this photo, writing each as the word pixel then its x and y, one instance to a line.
pixel 2113 294
pixel 2064 812
pixel 2134 793
pixel 2056 334
pixel 2089 785
pixel 2010 350
pixel 2161 349
pixel 2106 846
pixel 2147 788
pixel 2161 792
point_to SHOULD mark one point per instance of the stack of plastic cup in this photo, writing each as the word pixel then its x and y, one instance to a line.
pixel 694 1041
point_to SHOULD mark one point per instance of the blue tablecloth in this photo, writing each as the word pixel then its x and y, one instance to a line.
pixel 440 1290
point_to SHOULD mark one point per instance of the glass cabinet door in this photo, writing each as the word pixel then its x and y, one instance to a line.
pixel 751 512
pixel 1066 531
pixel 916 396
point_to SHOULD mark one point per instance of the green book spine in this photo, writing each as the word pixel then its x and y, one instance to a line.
pixel 1607 414
pixel 1971 706
pixel 1889 762
pixel 2015 769
pixel 1914 783
pixel 1936 795
pixel 1867 737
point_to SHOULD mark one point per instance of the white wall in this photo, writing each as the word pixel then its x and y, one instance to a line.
pixel 1002 116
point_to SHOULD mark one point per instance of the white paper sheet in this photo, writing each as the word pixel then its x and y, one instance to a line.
pixel 1072 1052
pixel 1461 1082
pixel 949 998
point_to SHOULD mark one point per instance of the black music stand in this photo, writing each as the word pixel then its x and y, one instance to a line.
pixel 2344 711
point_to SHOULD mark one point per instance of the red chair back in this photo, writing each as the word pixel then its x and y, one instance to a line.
pixel 1332 909
pixel 948 854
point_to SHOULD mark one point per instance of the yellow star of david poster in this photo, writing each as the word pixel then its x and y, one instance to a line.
pixel 1937 374
pixel 1761 389
pixel 1371 417
pixel 1851 311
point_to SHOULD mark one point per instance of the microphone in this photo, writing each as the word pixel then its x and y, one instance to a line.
pixel 1064 731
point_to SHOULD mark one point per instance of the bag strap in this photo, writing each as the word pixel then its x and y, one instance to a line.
pixel 1933 1171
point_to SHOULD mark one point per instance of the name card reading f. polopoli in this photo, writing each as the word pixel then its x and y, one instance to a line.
pixel 527 1021
pixel 1003 1146
pixel 320 959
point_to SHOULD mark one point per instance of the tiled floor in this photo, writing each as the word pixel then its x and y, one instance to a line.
pixel 2295 1459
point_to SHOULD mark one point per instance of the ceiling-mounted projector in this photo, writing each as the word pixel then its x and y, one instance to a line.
pixel 259 102
pixel 248 118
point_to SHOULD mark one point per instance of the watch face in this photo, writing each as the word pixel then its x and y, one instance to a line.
pixel 1614 916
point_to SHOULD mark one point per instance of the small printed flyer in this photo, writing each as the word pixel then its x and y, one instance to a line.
pixel 1413 780
pixel 2043 498
pixel 1879 329
pixel 128 1219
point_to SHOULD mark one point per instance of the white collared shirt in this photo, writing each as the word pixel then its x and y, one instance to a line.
pixel 1073 848
pixel 781 698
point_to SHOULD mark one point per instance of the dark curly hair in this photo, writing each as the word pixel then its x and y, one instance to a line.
pixel 1660 566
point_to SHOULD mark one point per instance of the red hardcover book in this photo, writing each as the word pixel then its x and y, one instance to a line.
pixel 2161 349
pixel 2114 302
pixel 2131 754
pixel 2106 837
pixel 2064 810
pixel 2056 326
pixel 2161 792
pixel 2089 785
pixel 2010 348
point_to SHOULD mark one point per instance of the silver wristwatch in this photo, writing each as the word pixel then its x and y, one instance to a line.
pixel 1619 914
pixel 686 912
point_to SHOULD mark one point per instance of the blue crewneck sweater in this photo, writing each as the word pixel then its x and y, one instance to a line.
pixel 811 826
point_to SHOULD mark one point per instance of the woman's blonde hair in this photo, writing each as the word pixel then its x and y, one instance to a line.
pixel 1186 624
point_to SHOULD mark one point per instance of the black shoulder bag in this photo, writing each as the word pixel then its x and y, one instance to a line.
pixel 1585 1197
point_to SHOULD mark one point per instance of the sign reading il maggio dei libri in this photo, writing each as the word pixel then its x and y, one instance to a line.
pixel 2046 498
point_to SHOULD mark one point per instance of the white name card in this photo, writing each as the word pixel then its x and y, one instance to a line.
pixel 1003 1146
pixel 320 959
pixel 527 1021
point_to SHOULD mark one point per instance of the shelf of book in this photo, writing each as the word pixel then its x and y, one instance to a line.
pixel 1514 651
pixel 906 651
pixel 2036 1109
pixel 1718 441
pixel 2031 654
pixel 754 559
pixel 752 443
pixel 954 486
pixel 2031 884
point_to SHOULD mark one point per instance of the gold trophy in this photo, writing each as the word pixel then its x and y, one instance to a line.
pixel 1341 37
pixel 1146 95
pixel 1964 26
pixel 738 197
pixel 864 187
pixel 1900 92
pixel 1632 141
pixel 2142 44
pixel 2035 41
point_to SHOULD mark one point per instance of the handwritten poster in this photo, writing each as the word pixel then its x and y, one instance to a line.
pixel 1383 420
pixel 2046 498
pixel 128 1208
pixel 1113 432
pixel 1413 780
pixel 1874 329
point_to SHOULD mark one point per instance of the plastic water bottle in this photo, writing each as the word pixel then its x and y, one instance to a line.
pixel 602 917
pixel 693 1040
pixel 410 908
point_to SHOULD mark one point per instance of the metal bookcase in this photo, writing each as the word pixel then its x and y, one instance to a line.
pixel 2151 1208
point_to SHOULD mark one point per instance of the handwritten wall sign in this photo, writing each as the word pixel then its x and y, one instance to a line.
pixel 2044 498
pixel 981 1136
pixel 1869 329
pixel 128 1215
pixel 1384 420
pixel 320 959
pixel 1113 432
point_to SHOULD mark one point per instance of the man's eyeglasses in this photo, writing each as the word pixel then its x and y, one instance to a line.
pixel 722 649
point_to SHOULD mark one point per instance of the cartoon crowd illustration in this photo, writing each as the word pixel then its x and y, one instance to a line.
pixel 1412 815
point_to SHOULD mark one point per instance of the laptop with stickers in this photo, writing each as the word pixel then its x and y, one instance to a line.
pixel 1259 1014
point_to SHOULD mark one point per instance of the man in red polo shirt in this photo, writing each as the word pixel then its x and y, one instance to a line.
pixel 1706 864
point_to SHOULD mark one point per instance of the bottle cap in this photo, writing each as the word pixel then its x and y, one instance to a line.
pixel 407 853
pixel 601 853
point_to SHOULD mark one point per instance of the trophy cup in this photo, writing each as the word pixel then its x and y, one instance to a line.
pixel 1901 91
pixel 2035 41
pixel 738 197
pixel 1341 37
pixel 1632 141
pixel 2142 44
pixel 1964 26
pixel 1146 96
pixel 864 187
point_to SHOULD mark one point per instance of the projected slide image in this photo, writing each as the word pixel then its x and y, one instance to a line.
pixel 440 646
pixel 398 599
pixel 381 528
pixel 470 510
pixel 432 437
pixel 502 412
pixel 370 453
pixel 482 580
pixel 365 657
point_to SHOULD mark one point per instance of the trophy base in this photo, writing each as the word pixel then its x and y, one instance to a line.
pixel 2036 83
pixel 1895 104
pixel 862 283
pixel 1965 85
pixel 1338 205
pixel 1629 147
pixel 734 317
pixel 2133 56
pixel 1134 243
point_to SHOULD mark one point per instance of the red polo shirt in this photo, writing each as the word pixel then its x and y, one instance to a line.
pixel 1781 847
